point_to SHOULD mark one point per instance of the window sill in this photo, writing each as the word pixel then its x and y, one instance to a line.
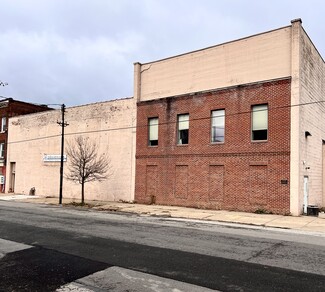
pixel 182 145
pixel 259 141
pixel 217 143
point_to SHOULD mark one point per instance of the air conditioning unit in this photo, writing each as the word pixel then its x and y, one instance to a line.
pixel 2 179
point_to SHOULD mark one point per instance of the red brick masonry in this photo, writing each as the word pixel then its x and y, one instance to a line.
pixel 238 174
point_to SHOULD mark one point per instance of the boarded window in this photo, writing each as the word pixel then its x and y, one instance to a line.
pixel 181 181
pixel 216 182
pixel 152 181
pixel 258 184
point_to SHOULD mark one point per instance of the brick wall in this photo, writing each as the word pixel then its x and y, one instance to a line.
pixel 236 175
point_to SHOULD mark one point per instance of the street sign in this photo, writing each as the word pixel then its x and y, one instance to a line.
pixel 53 158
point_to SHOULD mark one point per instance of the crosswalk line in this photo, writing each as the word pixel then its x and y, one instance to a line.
pixel 120 279
pixel 7 246
pixel 114 279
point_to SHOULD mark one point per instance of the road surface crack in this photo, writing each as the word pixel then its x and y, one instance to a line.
pixel 267 251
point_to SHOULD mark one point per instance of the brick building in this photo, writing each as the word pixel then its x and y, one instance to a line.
pixel 10 108
pixel 238 126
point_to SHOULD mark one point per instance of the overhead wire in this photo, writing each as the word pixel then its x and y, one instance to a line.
pixel 166 123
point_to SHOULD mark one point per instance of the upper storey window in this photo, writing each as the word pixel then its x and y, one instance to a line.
pixel 2 150
pixel 3 124
pixel 183 129
pixel 218 126
pixel 153 131
pixel 259 122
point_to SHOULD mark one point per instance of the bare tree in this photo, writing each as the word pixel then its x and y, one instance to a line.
pixel 85 164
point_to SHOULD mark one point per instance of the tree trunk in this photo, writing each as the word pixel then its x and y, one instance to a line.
pixel 82 192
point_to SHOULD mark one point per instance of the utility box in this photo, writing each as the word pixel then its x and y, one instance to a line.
pixel 312 210
pixel 2 179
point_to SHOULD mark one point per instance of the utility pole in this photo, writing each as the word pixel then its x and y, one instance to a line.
pixel 63 125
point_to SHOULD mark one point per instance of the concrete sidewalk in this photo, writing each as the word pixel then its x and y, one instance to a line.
pixel 303 223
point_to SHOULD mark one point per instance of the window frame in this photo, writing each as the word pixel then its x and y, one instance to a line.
pixel 3 124
pixel 212 118
pixel 2 150
pixel 151 142
pixel 179 131
pixel 267 122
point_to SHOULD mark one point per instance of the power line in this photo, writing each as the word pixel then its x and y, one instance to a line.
pixel 167 123
pixel 34 139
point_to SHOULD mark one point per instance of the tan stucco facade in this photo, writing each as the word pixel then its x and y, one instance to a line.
pixel 261 57
pixel 111 124
pixel 312 120
pixel 307 117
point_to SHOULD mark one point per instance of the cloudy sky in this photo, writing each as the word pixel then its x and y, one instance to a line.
pixel 82 51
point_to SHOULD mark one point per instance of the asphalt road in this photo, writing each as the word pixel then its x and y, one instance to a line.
pixel 64 245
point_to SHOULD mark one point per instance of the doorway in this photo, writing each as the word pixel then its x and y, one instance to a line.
pixel 305 194
pixel 12 177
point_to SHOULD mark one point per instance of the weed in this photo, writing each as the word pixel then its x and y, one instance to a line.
pixel 262 211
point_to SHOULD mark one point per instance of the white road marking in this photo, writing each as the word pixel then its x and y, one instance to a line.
pixel 118 279
pixel 7 246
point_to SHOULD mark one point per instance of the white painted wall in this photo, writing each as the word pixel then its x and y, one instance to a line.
pixel 111 124
pixel 307 114
pixel 312 118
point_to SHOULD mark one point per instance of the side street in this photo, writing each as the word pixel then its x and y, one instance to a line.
pixel 312 224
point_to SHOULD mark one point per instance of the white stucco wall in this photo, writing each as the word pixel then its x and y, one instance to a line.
pixel 111 124
pixel 261 57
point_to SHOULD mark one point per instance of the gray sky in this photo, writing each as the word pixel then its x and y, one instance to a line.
pixel 82 51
